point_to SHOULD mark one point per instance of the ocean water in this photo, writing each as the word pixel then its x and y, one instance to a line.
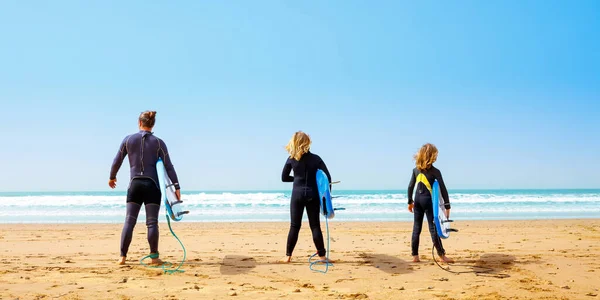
pixel 109 207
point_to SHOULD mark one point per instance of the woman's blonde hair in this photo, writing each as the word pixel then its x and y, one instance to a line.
pixel 426 156
pixel 298 145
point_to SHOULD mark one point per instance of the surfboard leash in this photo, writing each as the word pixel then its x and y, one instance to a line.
pixel 327 263
pixel 483 271
pixel 167 265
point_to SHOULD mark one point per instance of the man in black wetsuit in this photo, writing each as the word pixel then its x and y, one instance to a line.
pixel 144 149
pixel 305 193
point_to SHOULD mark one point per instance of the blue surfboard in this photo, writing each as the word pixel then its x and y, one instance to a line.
pixel 442 224
pixel 167 190
pixel 325 194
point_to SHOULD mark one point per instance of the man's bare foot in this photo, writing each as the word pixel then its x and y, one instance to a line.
pixel 122 260
pixel 324 259
pixel 156 262
pixel 416 258
pixel 285 260
pixel 446 259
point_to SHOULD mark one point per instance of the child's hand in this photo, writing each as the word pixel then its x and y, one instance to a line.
pixel 410 207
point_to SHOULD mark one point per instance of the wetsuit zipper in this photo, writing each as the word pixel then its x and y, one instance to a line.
pixel 142 156
pixel 305 180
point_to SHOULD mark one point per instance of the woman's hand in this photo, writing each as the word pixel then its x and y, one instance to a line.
pixel 410 207
pixel 112 183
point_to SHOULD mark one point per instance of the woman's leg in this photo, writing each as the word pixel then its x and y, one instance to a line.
pixel 296 213
pixel 313 210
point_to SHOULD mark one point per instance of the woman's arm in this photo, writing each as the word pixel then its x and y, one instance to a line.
pixel 323 167
pixel 285 174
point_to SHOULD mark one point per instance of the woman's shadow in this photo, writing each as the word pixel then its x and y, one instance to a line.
pixel 237 264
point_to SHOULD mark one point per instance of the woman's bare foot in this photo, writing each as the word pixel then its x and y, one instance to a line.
pixel 446 259
pixel 122 260
pixel 416 258
pixel 325 259
pixel 285 260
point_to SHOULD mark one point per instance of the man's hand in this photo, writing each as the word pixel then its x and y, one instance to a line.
pixel 178 194
pixel 447 213
pixel 112 183
pixel 410 207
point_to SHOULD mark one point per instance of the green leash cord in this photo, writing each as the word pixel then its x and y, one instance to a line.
pixel 166 265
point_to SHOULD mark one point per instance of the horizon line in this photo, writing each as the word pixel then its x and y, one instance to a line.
pixel 289 190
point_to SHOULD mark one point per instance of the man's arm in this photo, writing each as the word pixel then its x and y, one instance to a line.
pixel 118 160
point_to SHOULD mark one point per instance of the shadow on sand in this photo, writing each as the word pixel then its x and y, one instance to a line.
pixel 490 264
pixel 237 264
pixel 386 263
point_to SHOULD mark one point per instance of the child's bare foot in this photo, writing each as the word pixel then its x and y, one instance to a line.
pixel 446 259
pixel 416 258
pixel 285 260
pixel 122 260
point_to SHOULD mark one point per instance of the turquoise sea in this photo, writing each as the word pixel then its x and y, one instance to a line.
pixel 261 206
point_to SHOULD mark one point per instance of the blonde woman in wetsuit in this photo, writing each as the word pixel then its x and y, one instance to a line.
pixel 305 193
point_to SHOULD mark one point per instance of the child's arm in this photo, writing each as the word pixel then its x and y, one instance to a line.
pixel 411 187
pixel 443 188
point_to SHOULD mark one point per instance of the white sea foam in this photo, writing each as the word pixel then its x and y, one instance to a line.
pixel 275 206
pixel 265 199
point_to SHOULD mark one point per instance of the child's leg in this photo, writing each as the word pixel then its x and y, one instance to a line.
pixel 435 238
pixel 437 242
pixel 417 226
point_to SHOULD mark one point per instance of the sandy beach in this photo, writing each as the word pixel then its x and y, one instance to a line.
pixel 550 259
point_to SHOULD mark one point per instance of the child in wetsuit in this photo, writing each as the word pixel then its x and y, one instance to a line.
pixel 422 204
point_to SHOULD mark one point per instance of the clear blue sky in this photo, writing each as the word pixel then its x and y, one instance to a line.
pixel 509 91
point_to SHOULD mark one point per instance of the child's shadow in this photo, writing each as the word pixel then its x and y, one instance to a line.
pixel 386 263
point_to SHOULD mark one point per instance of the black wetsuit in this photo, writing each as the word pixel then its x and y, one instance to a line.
pixel 423 206
pixel 304 194
pixel 144 149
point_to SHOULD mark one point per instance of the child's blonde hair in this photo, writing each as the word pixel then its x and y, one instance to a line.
pixel 426 156
pixel 298 145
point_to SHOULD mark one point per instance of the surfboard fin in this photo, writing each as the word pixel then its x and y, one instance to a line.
pixel 339 208
pixel 452 230
pixel 183 212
